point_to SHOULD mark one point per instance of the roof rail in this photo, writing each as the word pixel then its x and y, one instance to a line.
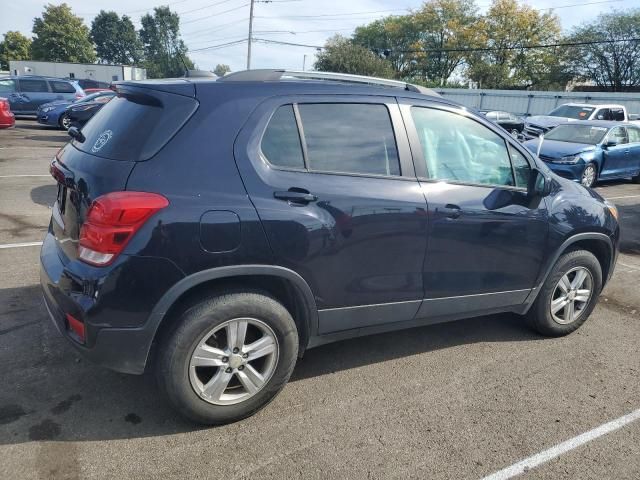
pixel 273 75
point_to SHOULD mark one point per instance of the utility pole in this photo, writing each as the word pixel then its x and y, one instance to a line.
pixel 250 35
pixel 304 61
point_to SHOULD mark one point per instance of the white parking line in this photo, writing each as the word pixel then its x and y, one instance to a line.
pixel 16 176
pixel 629 266
pixel 18 245
pixel 564 447
pixel 624 196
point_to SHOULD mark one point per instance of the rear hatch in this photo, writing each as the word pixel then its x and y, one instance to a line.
pixel 131 128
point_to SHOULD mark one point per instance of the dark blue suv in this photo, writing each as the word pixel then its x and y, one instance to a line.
pixel 214 230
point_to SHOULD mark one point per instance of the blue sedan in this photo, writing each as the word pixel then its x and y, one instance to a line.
pixel 587 152
pixel 55 114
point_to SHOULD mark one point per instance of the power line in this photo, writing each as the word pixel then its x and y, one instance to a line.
pixel 215 14
pixel 219 46
pixel 336 14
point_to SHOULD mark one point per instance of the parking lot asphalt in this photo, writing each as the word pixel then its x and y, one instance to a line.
pixel 450 401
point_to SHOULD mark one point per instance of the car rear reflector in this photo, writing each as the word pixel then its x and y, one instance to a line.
pixel 76 326
pixel 112 220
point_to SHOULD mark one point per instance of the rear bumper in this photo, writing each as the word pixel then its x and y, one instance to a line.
pixel 123 349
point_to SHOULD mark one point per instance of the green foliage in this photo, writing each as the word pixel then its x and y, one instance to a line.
pixel 165 52
pixel 507 29
pixel 342 55
pixel 612 66
pixel 116 39
pixel 15 46
pixel 221 69
pixel 61 36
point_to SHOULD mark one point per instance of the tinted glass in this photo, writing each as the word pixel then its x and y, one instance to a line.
pixel 617 114
pixel 33 86
pixel 520 167
pixel 136 127
pixel 569 111
pixel 577 134
pixel 634 134
pixel 460 149
pixel 281 142
pixel 7 86
pixel 62 87
pixel 352 138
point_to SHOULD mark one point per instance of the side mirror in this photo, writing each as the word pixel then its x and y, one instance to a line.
pixel 609 144
pixel 539 184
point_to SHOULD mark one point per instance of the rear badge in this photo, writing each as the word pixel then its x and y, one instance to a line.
pixel 102 141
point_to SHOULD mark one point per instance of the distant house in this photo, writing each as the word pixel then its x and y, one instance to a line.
pixel 98 72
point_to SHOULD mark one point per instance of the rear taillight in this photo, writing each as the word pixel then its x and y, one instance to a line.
pixel 112 220
pixel 80 95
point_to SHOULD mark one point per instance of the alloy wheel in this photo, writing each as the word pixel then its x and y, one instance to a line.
pixel 588 176
pixel 233 361
pixel 65 121
pixel 571 295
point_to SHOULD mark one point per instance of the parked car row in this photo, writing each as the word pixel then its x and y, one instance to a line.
pixel 54 101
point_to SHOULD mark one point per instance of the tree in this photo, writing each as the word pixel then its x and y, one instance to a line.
pixel 391 37
pixel 446 27
pixel 221 69
pixel 616 65
pixel 116 39
pixel 61 36
pixel 15 46
pixel 165 52
pixel 506 31
pixel 342 55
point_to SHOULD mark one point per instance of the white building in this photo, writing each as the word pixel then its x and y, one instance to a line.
pixel 91 71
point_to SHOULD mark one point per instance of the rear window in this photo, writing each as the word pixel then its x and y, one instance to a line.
pixel 135 126
pixel 62 87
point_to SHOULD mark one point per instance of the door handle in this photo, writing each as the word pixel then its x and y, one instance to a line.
pixel 296 196
pixel 452 211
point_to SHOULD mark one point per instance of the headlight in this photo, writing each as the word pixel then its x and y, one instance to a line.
pixel 612 208
pixel 569 159
pixel 47 109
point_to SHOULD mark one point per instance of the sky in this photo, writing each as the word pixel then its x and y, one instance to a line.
pixel 209 23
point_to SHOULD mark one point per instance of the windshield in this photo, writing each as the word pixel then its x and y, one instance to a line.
pixel 572 111
pixel 577 134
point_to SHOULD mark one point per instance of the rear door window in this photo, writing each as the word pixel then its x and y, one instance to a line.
pixel 349 138
pixel 61 87
pixel 135 125
pixel 634 134
pixel 33 86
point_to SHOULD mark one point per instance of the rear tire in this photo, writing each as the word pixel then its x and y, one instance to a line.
pixel 198 357
pixel 566 299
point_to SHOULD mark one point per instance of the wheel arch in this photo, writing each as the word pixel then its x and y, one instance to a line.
pixel 282 283
pixel 599 244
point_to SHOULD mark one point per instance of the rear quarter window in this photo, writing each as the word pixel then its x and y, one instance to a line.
pixel 62 87
pixel 134 126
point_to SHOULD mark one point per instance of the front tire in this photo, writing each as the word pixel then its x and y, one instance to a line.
pixel 589 175
pixel 568 296
pixel 228 357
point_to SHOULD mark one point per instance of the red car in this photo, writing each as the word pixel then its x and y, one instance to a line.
pixel 7 119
